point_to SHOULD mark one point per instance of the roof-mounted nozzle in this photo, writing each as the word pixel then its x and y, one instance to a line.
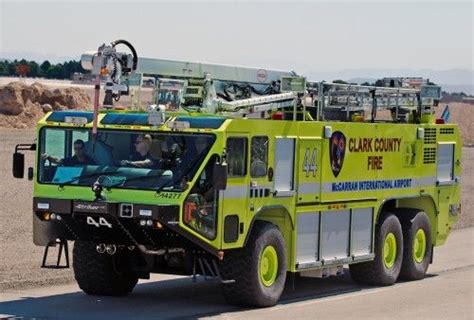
pixel 107 63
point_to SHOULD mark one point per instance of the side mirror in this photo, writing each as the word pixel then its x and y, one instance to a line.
pixel 19 160
pixel 219 176
pixel 18 165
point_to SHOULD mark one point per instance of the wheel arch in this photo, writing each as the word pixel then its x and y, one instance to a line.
pixel 423 203
pixel 277 215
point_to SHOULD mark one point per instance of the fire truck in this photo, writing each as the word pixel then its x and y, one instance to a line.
pixel 246 176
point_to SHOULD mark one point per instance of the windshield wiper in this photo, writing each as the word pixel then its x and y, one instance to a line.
pixel 88 176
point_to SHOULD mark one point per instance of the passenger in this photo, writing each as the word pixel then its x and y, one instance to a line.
pixel 194 149
pixel 171 156
pixel 80 156
pixel 141 158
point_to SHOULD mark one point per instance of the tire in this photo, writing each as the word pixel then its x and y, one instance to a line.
pixel 385 268
pixel 96 273
pixel 417 245
pixel 259 282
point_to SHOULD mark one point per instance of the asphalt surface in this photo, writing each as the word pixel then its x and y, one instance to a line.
pixel 446 293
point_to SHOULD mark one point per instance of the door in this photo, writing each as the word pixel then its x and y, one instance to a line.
pixel 235 197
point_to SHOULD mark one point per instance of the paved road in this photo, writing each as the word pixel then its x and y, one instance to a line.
pixel 447 293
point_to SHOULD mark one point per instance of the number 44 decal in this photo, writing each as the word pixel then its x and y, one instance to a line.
pixel 309 162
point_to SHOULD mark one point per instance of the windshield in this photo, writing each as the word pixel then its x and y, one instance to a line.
pixel 121 159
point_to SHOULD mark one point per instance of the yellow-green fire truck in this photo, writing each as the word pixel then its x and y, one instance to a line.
pixel 244 175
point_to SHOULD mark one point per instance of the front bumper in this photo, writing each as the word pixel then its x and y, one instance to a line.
pixel 104 222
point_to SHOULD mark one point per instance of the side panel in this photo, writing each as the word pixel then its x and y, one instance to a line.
pixel 335 235
pixel 370 161
pixel 361 226
pixel 307 240
pixel 308 169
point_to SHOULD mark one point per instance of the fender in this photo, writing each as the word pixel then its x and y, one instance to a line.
pixel 275 210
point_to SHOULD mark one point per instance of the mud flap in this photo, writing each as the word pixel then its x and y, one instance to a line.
pixel 46 232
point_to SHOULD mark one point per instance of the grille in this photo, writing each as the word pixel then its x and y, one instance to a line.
pixel 446 130
pixel 429 155
pixel 430 135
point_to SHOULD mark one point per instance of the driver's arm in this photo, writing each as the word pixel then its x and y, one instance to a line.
pixel 147 163
pixel 51 159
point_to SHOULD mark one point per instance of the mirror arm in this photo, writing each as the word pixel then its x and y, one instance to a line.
pixel 25 147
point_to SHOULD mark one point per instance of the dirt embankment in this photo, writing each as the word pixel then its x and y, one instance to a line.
pixel 22 105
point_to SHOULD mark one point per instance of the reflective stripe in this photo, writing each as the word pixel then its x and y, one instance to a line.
pixel 354 186
pixel 425 182
pixel 234 192
pixel 309 188
pixel 238 191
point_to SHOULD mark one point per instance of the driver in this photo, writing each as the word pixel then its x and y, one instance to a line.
pixel 80 156
pixel 141 158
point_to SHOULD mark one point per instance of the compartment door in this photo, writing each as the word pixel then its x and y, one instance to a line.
pixel 308 169
pixel 284 184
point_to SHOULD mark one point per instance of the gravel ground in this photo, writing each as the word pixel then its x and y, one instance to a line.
pixel 20 259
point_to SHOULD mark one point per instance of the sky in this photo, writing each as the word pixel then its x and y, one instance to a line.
pixel 301 36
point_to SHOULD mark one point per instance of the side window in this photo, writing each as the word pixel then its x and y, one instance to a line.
pixel 81 135
pixel 54 145
pixel 200 207
pixel 237 156
pixel 259 157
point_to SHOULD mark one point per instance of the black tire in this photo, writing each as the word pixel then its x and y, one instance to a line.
pixel 96 273
pixel 376 272
pixel 242 265
pixel 412 221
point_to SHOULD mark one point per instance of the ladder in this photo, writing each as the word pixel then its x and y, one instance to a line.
pixel 237 91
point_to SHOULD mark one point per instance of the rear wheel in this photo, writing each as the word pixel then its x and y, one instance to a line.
pixel 259 269
pixel 417 243
pixel 98 274
pixel 385 268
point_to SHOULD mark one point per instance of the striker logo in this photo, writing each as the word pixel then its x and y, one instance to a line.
pixel 337 150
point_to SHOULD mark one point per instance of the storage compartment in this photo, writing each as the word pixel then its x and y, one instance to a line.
pixel 335 227
pixel 307 239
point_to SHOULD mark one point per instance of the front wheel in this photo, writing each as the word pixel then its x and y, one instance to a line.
pixel 385 268
pixel 259 269
pixel 97 274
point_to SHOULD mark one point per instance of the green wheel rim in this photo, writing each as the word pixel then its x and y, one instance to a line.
pixel 419 246
pixel 268 266
pixel 389 250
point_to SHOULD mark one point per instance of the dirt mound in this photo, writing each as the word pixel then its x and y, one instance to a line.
pixel 22 105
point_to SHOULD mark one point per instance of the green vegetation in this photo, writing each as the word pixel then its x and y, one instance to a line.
pixel 44 70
